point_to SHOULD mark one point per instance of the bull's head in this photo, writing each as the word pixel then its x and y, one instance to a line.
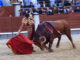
pixel 39 41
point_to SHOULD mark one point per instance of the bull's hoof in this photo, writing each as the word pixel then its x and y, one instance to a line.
pixel 50 50
pixel 57 46
pixel 46 47
pixel 42 49
pixel 74 47
pixel 34 51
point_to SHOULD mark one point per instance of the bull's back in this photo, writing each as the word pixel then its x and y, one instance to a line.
pixel 61 25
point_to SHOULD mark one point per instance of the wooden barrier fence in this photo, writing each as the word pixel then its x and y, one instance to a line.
pixel 12 24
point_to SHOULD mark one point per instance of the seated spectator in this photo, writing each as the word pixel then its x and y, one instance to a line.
pixel 38 5
pixel 71 10
pixel 25 11
pixel 49 11
pixel 55 10
pixel 30 11
pixel 42 11
pixel 77 3
pixel 67 3
pixel 68 10
pixel 26 5
pixel 31 5
pixel 77 9
pixel 43 4
pixel 48 5
pixel 65 10
pixel 60 5
pixel 22 5
pixel 60 10
pixel 36 10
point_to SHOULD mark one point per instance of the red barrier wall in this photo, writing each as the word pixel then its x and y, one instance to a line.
pixel 73 19
pixel 12 24
pixel 8 24
pixel 6 11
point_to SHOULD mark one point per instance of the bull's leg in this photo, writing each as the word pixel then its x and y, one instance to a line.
pixel 50 44
pixel 58 43
pixel 70 38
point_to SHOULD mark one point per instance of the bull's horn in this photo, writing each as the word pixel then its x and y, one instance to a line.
pixel 42 38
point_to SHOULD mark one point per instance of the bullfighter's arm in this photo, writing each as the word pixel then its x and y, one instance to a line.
pixel 21 27
pixel 22 24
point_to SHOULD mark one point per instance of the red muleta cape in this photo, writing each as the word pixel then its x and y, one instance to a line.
pixel 20 44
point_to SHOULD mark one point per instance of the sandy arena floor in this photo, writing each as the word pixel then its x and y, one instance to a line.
pixel 64 52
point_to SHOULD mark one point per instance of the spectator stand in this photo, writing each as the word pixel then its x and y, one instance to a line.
pixel 41 10
pixel 37 8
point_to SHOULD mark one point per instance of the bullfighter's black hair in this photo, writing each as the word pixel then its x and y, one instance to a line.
pixel 27 15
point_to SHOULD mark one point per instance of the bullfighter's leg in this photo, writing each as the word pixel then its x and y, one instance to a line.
pixel 58 43
pixel 50 44
pixel 70 38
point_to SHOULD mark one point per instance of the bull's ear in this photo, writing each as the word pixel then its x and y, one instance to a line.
pixel 42 38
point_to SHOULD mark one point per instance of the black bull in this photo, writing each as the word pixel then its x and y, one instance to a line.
pixel 48 30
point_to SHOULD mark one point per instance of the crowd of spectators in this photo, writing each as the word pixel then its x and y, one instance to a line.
pixel 39 8
pixel 47 9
